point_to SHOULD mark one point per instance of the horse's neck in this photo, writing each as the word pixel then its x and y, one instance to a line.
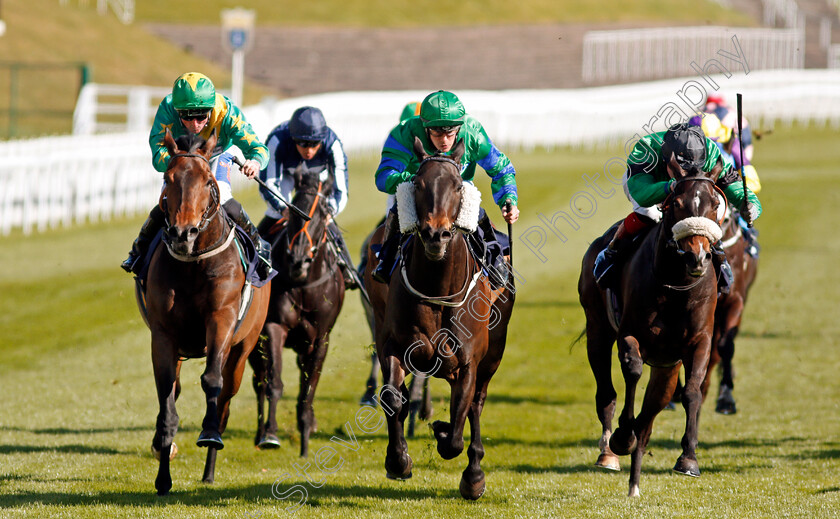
pixel 439 278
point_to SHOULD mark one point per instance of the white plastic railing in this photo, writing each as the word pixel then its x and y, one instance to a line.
pixel 58 181
pixel 635 54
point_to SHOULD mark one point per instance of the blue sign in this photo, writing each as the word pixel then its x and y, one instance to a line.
pixel 238 38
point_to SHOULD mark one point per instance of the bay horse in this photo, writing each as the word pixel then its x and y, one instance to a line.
pixel 306 297
pixel 439 316
pixel 667 298
pixel 194 291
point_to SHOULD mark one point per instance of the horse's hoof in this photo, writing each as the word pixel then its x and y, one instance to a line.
pixel 472 491
pixel 687 467
pixel 367 399
pixel 622 444
pixel 725 407
pixel 210 439
pixel 398 467
pixel 173 451
pixel 269 442
pixel 163 484
pixel 608 461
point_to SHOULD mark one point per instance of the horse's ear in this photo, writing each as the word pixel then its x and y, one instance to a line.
pixel 169 142
pixel 419 150
pixel 299 172
pixel 210 144
pixel 457 151
pixel 673 168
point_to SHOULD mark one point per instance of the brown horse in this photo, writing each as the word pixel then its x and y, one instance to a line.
pixel 194 292
pixel 306 298
pixel 730 309
pixel 439 316
pixel 666 298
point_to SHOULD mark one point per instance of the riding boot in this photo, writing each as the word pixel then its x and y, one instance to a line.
pixel 388 252
pixel 751 235
pixel 237 213
pixel 343 257
pixel 140 246
pixel 725 276
pixel 608 261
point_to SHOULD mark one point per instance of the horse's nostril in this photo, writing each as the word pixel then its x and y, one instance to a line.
pixel 193 232
pixel 446 235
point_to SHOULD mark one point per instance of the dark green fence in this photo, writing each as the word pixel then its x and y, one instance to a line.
pixel 39 98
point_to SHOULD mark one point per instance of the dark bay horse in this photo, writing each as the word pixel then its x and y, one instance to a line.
pixel 306 298
pixel 439 316
pixel 194 292
pixel 667 298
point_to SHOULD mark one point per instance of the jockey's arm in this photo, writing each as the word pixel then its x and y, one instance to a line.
pixel 338 201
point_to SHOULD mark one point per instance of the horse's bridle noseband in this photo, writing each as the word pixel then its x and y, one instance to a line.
pixel 313 247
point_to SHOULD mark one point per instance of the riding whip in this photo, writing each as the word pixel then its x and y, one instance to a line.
pixel 271 190
pixel 509 206
pixel 745 213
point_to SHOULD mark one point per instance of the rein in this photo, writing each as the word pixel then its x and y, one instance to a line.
pixel 449 300
pixel 305 229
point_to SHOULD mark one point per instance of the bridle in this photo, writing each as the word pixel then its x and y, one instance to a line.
pixel 666 204
pixel 458 298
pixel 210 212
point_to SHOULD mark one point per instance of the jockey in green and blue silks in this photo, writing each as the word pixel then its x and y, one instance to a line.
pixel 194 107
pixel 442 113
pixel 441 123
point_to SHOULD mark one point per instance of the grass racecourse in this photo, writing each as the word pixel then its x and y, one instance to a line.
pixel 78 404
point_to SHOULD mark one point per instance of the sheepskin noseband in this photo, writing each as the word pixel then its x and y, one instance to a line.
pixel 467 218
pixel 697 226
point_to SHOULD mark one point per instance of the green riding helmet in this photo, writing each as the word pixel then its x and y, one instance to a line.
pixel 193 91
pixel 442 109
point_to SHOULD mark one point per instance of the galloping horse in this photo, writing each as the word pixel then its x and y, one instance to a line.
pixel 666 298
pixel 306 298
pixel 439 316
pixel 194 293
pixel 730 309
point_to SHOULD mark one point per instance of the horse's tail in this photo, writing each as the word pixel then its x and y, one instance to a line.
pixel 578 339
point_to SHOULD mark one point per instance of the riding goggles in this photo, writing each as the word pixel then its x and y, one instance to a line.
pixel 193 115
pixel 306 143
pixel 441 131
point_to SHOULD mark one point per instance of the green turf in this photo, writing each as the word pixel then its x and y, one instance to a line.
pixel 78 406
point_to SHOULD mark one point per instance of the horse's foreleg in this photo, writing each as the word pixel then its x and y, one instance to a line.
pixel 623 440
pixel 599 351
pixel 658 394
pixel 450 436
pixel 217 339
pixel 310 373
pixel 472 484
pixel 695 372
pixel 726 347
pixel 274 385
pixel 393 397
pixel 165 365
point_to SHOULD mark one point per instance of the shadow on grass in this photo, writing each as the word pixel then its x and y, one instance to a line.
pixel 61 449
pixel 220 498
pixel 80 430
